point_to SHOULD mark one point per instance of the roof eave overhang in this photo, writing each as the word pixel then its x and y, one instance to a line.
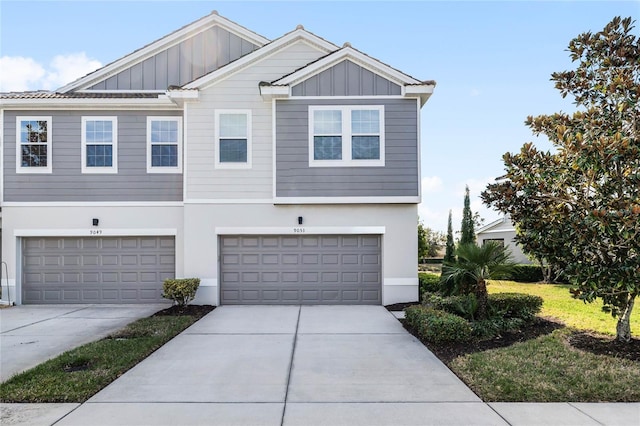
pixel 179 97
pixel 422 91
pixel 269 92
pixel 162 102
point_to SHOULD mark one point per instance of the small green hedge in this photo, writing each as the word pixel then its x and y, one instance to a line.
pixel 515 305
pixel 180 290
pixel 437 326
pixel 527 274
pixel 428 282
pixel 462 305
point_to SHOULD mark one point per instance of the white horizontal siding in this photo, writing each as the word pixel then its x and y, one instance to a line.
pixel 239 91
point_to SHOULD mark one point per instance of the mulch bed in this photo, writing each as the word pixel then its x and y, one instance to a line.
pixel 583 340
pixel 197 311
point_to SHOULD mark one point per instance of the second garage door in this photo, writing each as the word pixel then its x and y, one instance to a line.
pixel 291 269
pixel 96 270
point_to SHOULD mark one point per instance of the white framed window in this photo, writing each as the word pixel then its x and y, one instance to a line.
pixel 233 139
pixel 164 144
pixel 99 149
pixel 33 144
pixel 346 136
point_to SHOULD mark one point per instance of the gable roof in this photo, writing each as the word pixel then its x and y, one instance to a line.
pixel 299 34
pixel 411 86
pixel 496 223
pixel 139 55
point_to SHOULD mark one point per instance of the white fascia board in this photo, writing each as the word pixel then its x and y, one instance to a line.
pixel 497 231
pixel 94 232
pixel 165 42
pixel 422 92
pixel 353 55
pixel 93 204
pixel 259 54
pixel 347 200
pixel 300 230
pixel 162 102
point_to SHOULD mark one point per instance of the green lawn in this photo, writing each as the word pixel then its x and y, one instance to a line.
pixel 559 304
pixel 548 368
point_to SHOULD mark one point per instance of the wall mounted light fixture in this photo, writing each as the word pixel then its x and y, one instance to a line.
pixel 95 221
pixel 299 220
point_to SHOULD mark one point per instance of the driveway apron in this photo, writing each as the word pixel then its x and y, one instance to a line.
pixel 32 334
pixel 291 365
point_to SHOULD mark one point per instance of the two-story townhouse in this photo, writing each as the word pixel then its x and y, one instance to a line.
pixel 278 172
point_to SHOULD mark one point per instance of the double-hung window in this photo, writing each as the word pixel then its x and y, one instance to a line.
pixel 99 145
pixel 164 145
pixel 33 145
pixel 346 136
pixel 233 138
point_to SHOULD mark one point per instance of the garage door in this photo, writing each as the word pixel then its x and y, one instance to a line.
pixel 291 269
pixel 96 270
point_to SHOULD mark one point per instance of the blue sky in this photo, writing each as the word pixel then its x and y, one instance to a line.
pixel 492 62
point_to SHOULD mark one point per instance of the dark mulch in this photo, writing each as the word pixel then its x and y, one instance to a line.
pixel 603 345
pixel 400 306
pixel 447 352
pixel 197 311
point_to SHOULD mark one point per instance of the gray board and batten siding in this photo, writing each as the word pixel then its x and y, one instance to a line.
pixel 399 177
pixel 182 63
pixel 346 79
pixel 293 269
pixel 68 183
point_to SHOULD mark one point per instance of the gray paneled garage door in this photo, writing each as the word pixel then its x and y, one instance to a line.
pixel 96 270
pixel 291 269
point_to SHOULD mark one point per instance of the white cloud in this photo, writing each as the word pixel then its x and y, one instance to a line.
pixel 431 184
pixel 19 73
pixel 66 68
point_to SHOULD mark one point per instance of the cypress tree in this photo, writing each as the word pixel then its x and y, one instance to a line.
pixel 449 255
pixel 467 229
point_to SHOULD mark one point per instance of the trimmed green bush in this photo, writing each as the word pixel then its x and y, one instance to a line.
pixel 464 305
pixel 427 282
pixel 490 328
pixel 437 326
pixel 180 290
pixel 515 305
pixel 527 273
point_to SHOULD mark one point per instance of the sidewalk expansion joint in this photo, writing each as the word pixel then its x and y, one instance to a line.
pixel 293 351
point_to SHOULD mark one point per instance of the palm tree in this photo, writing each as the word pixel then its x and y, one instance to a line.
pixel 479 264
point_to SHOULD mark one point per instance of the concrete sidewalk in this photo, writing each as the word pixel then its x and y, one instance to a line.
pixel 32 334
pixel 310 365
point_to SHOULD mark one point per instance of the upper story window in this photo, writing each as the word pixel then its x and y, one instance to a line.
pixel 99 145
pixel 33 145
pixel 233 138
pixel 346 136
pixel 164 145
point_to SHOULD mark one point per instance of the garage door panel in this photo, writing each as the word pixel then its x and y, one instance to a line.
pixel 296 269
pixel 96 270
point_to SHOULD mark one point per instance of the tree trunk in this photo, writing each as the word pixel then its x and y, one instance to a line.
pixel 482 298
pixel 623 328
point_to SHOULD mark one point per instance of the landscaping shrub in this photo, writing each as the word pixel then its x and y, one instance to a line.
pixel 437 326
pixel 527 273
pixel 427 282
pixel 515 305
pixel 180 290
pixel 464 305
pixel 492 327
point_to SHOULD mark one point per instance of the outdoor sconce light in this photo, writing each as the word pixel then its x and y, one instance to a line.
pixel 96 222
pixel 299 220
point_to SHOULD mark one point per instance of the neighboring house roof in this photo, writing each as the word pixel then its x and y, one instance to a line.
pixel 44 94
pixel 491 227
pixel 139 55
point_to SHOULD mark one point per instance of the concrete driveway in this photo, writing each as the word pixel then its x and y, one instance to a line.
pixel 32 334
pixel 289 365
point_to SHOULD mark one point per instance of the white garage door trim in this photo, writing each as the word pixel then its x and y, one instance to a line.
pixel 300 230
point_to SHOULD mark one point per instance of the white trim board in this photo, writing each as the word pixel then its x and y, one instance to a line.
pixel 95 232
pixel 347 200
pixel 300 230
pixel 93 204
pixel 400 281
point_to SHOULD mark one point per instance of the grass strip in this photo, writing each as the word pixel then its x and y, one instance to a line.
pixel 548 369
pixel 559 304
pixel 78 374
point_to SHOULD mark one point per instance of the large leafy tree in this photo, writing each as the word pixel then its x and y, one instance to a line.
pixel 579 207
pixel 429 241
